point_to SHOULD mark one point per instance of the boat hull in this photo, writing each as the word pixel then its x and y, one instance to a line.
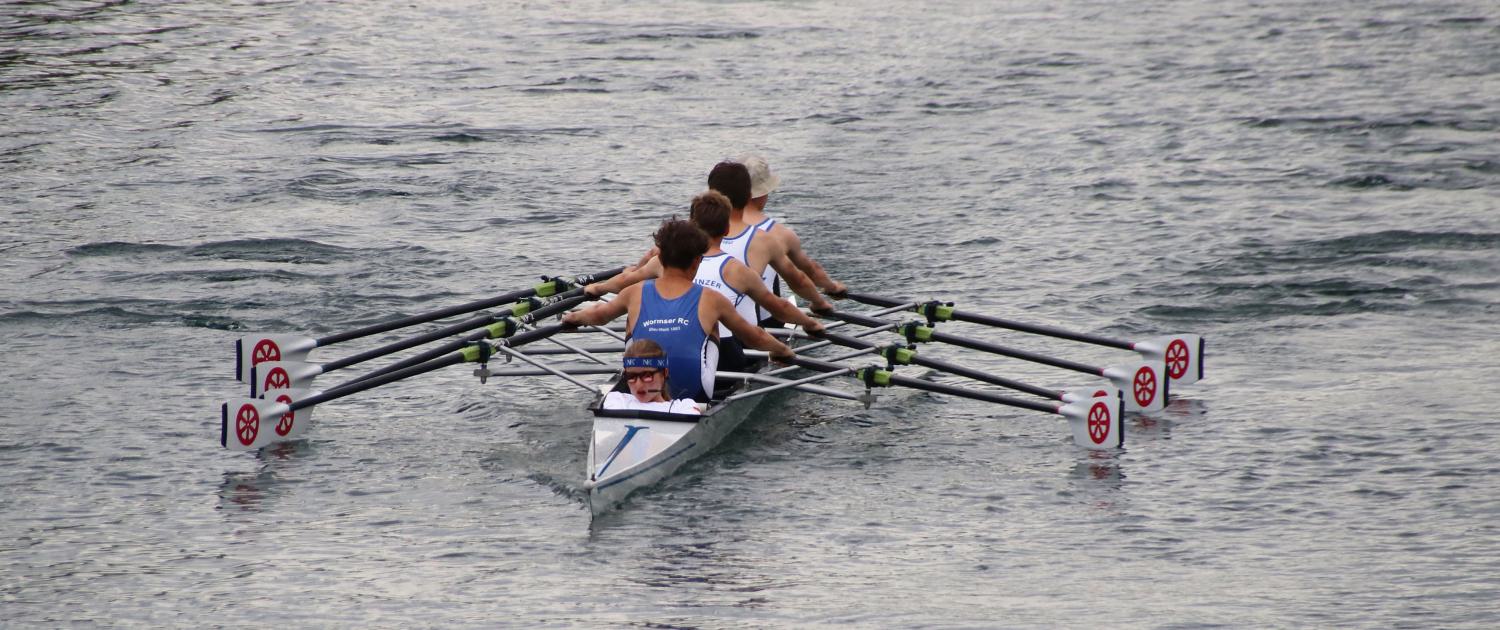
pixel 627 454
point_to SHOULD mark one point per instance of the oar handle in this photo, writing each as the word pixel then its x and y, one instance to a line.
pixel 986 320
pixel 555 285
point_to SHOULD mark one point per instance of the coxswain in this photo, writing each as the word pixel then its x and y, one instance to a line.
pixel 645 374
pixel 679 315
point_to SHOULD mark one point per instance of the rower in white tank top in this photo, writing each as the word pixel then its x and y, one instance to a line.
pixel 739 245
pixel 711 276
pixel 769 276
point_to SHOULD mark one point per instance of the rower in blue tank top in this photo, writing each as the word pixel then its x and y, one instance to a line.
pixel 692 353
pixel 679 315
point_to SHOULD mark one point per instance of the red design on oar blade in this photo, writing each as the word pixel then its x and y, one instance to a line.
pixel 1099 422
pixel 247 424
pixel 1177 358
pixel 265 350
pixel 1144 386
pixel 284 425
pixel 277 379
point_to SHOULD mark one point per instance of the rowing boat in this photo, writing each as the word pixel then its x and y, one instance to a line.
pixel 633 449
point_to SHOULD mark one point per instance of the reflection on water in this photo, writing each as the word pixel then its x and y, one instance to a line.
pixel 250 491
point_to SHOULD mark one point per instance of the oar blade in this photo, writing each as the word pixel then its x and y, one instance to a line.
pixel 252 349
pixel 248 424
pixel 271 375
pixel 1182 354
pixel 1097 421
pixel 1143 383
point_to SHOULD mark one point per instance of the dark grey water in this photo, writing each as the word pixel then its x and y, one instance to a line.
pixel 1313 186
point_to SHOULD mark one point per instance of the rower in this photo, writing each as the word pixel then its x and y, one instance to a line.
pixel 678 314
pixel 761 255
pixel 762 182
pixel 723 273
pixel 646 375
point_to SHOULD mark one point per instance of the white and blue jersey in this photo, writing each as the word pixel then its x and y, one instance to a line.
pixel 711 275
pixel 773 281
pixel 692 354
pixel 739 245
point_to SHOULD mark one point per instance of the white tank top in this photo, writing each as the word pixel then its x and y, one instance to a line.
pixel 711 276
pixel 739 245
pixel 768 276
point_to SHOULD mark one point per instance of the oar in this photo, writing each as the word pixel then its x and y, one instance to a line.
pixel 241 419
pixel 268 375
pixel 1148 391
pixel 896 354
pixel 298 375
pixel 252 349
pixel 1097 422
pixel 1182 354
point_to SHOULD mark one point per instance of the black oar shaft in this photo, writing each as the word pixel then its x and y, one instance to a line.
pixel 976 318
pixel 389 377
pixel 574 298
pixel 452 358
pixel 460 309
pixel 446 331
pixel 953 368
pixel 974 344
pixel 937 388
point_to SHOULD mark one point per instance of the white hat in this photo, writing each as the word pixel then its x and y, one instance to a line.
pixel 762 180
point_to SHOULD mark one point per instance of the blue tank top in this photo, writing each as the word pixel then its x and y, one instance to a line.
pixel 692 355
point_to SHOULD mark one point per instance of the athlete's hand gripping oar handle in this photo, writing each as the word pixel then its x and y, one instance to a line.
pixel 897 355
pixel 1182 353
pixel 1145 380
pixel 500 329
pixel 552 286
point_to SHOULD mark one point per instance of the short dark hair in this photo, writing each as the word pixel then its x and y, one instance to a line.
pixel 732 179
pixel 679 243
pixel 710 211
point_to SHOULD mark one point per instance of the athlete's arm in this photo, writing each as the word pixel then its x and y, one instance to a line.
pixel 649 255
pixel 764 249
pixel 647 270
pixel 804 262
pixel 745 281
pixel 749 334
pixel 604 312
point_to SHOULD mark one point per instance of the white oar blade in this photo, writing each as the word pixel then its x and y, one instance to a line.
pixel 1144 384
pixel 252 349
pixel 1182 354
pixel 282 375
pixel 248 424
pixel 1098 421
